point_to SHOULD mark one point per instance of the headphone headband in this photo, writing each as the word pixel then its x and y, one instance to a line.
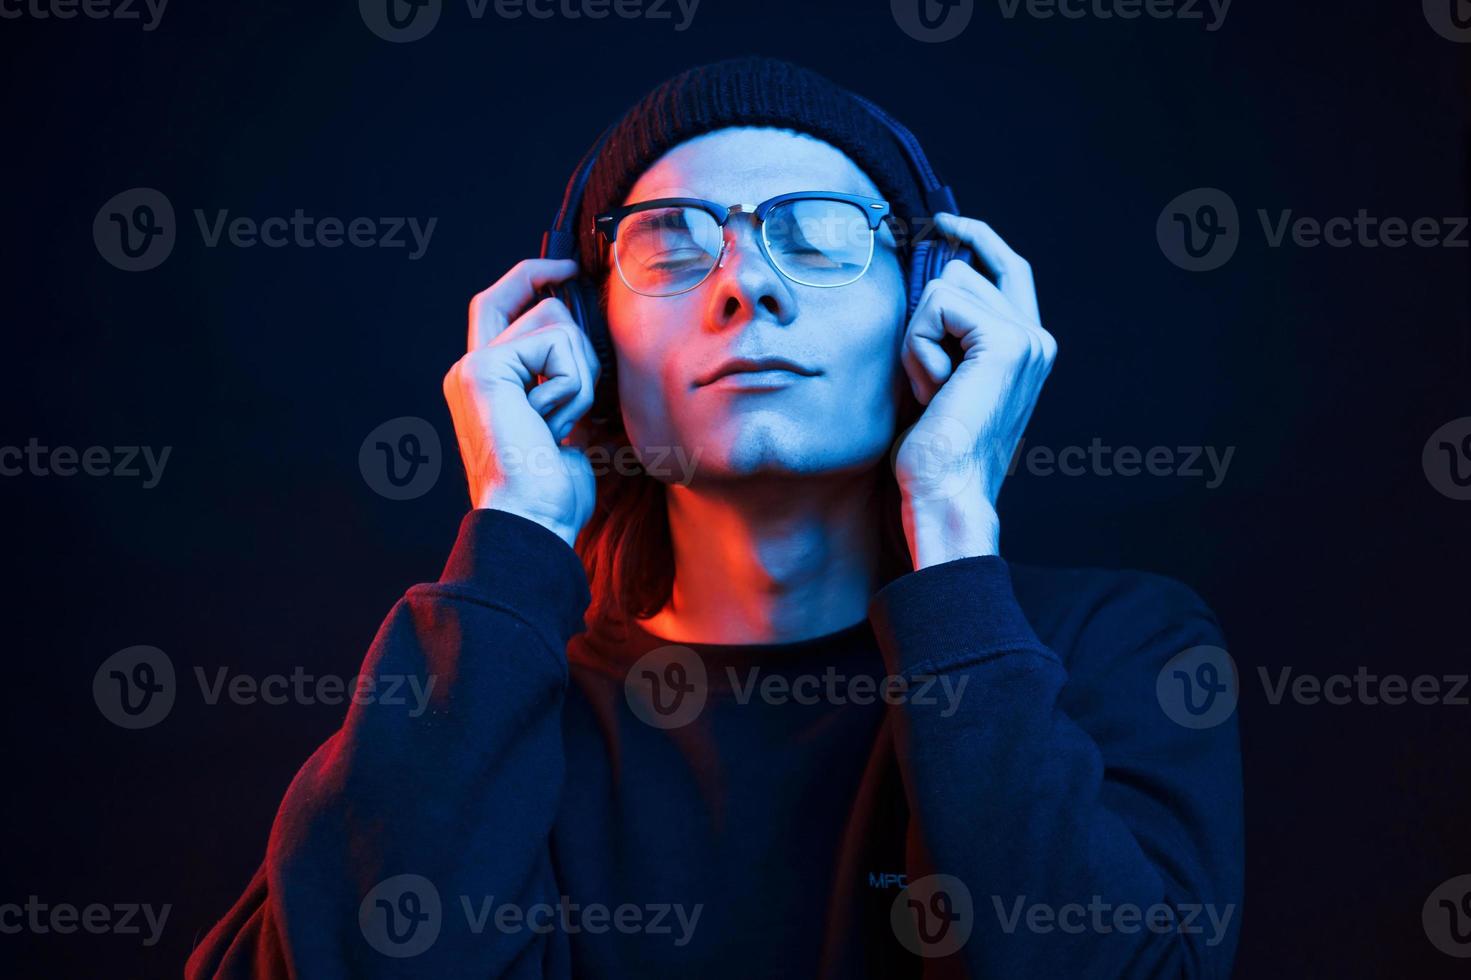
pixel 937 195
pixel 560 242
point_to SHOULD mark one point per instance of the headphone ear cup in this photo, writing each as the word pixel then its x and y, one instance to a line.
pixel 583 302
pixel 928 261
pixel 919 267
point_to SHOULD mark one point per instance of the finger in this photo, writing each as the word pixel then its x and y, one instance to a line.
pixel 1013 273
pixel 545 353
pixel 557 373
pixel 998 355
pixel 925 361
pixel 552 394
pixel 565 417
pixel 980 330
pixel 545 313
pixel 965 276
pixel 492 310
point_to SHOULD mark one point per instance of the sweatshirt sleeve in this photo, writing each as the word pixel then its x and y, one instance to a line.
pixel 1092 832
pixel 399 830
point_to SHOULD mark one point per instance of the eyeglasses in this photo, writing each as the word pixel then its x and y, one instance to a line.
pixel 670 245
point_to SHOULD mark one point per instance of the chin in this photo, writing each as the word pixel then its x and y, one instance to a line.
pixel 775 454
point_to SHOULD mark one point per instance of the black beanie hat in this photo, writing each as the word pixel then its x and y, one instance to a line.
pixel 750 91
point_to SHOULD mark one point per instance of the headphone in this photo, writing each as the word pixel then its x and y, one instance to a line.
pixel 927 258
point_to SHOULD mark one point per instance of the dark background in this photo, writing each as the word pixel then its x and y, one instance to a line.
pixel 264 549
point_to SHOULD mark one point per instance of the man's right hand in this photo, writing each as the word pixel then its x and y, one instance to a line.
pixel 509 426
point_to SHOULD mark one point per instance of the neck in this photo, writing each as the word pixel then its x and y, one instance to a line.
pixel 773 561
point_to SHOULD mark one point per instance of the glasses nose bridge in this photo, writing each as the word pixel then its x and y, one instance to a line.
pixel 728 231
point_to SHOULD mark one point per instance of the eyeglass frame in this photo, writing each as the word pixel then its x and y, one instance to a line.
pixel 606 224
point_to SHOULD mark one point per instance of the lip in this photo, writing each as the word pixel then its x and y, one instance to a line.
pixel 755 381
pixel 756 372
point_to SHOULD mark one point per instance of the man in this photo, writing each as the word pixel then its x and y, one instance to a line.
pixel 783 712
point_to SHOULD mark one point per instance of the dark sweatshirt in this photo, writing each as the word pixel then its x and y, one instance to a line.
pixel 981 779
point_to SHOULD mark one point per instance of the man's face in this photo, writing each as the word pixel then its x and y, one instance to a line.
pixel 842 415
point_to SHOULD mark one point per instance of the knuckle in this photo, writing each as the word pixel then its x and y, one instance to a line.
pixel 1014 345
pixel 956 268
pixel 476 366
pixel 941 290
pixel 1049 344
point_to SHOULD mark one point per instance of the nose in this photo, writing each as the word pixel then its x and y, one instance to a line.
pixel 746 283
